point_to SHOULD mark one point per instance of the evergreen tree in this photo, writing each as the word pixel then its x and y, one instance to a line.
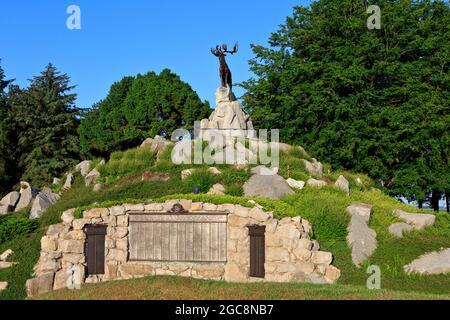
pixel 7 149
pixel 45 120
pixel 375 101
pixel 137 108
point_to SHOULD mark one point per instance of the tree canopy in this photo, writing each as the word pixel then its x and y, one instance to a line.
pixel 375 101
pixel 44 141
pixel 137 108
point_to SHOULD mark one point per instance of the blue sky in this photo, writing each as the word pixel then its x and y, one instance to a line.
pixel 121 38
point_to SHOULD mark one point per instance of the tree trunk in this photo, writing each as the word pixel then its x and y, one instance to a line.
pixel 435 197
pixel 420 204
pixel 447 200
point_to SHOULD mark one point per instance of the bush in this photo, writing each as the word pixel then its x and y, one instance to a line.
pixel 14 225
pixel 201 179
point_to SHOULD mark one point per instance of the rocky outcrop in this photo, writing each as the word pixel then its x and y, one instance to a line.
pixel 314 168
pixel 417 220
pixel 92 177
pixel 264 171
pixel 316 183
pixel 157 145
pixel 5 255
pixel 217 190
pixel 268 186
pixel 228 114
pixel 343 184
pixel 84 167
pixel 11 199
pixel 6 265
pixel 397 229
pixel 44 200
pixel 361 239
pixel 69 181
pixel 214 171
pixel 27 195
pixel 431 263
pixel 295 184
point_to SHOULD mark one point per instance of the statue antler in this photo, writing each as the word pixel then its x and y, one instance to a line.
pixel 224 49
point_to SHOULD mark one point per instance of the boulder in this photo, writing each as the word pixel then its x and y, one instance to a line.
pixel 397 229
pixel 84 167
pixel 217 189
pixel 91 177
pixel 97 187
pixel 42 203
pixel 5 255
pixel 10 199
pixel 147 143
pixel 316 183
pixel 6 265
pixel 295 184
pixel 186 173
pixel 214 171
pixel 431 263
pixel 56 181
pixel 361 239
pixel 417 220
pixel 40 285
pixel 3 286
pixel 314 168
pixel 159 144
pixel 27 194
pixel 343 184
pixel 284 147
pixel 69 180
pixel 6 209
pixel 264 171
pixel 272 186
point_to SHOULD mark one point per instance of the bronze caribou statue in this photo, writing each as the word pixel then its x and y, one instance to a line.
pixel 225 73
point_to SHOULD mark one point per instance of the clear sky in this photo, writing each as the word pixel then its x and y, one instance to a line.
pixel 119 38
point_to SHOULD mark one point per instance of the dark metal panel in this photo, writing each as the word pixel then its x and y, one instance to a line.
pixel 257 251
pixel 95 249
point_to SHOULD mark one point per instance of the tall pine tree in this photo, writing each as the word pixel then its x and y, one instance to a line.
pixel 7 149
pixel 46 122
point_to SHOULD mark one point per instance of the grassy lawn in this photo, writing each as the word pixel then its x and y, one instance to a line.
pixel 175 288
pixel 324 208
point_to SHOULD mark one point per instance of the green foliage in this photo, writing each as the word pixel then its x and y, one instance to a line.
pixel 137 108
pixel 45 122
pixel 371 101
pixel 8 165
pixel 201 179
pixel 15 225
pixel 123 163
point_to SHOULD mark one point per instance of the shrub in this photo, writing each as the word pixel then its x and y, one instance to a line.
pixel 201 179
pixel 14 225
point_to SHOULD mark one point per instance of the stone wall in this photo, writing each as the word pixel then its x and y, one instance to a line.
pixel 290 254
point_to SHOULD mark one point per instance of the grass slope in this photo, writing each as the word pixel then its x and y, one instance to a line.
pixel 324 208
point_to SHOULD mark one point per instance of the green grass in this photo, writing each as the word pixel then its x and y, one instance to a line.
pixel 324 208
pixel 175 288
